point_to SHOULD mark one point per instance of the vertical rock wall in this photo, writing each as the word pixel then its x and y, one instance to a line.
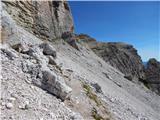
pixel 46 19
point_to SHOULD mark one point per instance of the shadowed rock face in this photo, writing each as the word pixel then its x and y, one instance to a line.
pixel 45 19
pixel 122 56
pixel 153 75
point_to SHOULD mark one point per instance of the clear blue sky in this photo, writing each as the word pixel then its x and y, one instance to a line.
pixel 136 23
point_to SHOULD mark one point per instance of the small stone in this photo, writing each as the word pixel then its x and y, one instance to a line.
pixel 52 60
pixel 11 117
pixel 33 61
pixel 32 87
pixel 12 99
pixel 128 76
pixel 24 106
pixel 29 82
pixel 3 103
pixel 97 87
pixel 14 95
pixel 20 106
pixel 9 105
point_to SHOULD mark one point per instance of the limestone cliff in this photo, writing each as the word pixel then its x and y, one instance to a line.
pixel 46 19
pixel 122 56
pixel 152 71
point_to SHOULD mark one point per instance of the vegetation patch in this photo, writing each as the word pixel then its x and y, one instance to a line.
pixel 95 115
pixel 146 85
pixel 91 94
pixel 98 112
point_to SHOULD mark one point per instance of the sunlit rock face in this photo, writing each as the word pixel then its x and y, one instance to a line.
pixel 45 19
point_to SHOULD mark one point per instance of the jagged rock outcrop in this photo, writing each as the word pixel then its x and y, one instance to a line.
pixel 71 39
pixel 152 72
pixel 46 19
pixel 122 56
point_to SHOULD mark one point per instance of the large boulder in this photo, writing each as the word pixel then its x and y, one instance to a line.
pixel 48 49
pixel 55 85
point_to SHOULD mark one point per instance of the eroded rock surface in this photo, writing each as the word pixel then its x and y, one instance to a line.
pixel 45 19
pixel 123 57
pixel 153 75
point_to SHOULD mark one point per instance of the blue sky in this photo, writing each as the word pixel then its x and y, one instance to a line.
pixel 136 23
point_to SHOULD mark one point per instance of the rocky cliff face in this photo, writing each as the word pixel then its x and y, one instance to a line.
pixel 125 58
pixel 46 19
pixel 152 71
pixel 63 79
pixel 122 56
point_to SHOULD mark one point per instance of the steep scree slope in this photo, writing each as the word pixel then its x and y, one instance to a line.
pixel 57 81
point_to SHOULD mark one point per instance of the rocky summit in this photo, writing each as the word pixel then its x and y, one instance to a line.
pixel 50 73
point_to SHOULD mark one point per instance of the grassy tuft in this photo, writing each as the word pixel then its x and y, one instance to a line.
pixel 95 115
pixel 146 85
pixel 91 94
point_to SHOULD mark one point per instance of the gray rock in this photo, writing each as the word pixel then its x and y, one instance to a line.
pixel 76 116
pixel 52 60
pixel 36 52
pixel 30 68
pixel 97 87
pixel 45 19
pixel 121 56
pixel 11 99
pixel 24 105
pixel 152 71
pixel 129 77
pixel 70 38
pixel 9 105
pixel 48 49
pixel 54 86
pixel 10 53
pixel 21 47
